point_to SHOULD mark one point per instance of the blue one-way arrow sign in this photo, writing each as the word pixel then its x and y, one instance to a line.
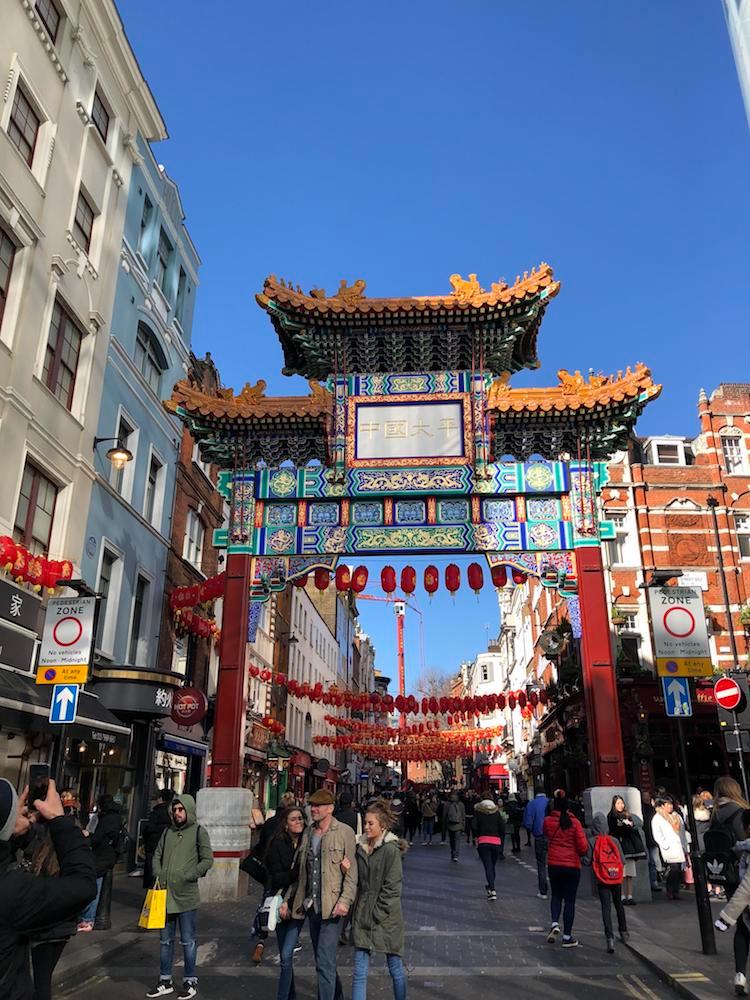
pixel 677 696
pixel 64 703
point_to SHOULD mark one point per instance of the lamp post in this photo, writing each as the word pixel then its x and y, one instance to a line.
pixel 713 503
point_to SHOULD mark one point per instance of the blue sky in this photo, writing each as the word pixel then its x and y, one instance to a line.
pixel 403 142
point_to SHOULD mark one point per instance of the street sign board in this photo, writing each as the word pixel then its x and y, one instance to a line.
pixel 677 696
pixel 727 693
pixel 63 703
pixel 67 638
pixel 680 635
pixel 737 741
pixel 77 674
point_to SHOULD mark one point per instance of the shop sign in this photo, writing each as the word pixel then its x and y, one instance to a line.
pixel 19 606
pixel 101 737
pixel 16 648
pixel 257 736
pixel 189 706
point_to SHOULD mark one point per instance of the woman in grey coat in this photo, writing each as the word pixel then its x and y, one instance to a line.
pixel 378 921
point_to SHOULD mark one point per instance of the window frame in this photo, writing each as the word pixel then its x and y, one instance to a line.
pixel 151 360
pixel 182 286
pixel 139 614
pixel 734 437
pixel 103 109
pixel 121 480
pixel 23 92
pixel 77 226
pixel 157 497
pixel 742 517
pixel 189 543
pixel 162 265
pixel 6 240
pixel 147 218
pixel 50 376
pixel 107 632
pixel 25 534
pixel 39 13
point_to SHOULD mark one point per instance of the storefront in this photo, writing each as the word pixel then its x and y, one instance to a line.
pixel 255 770
pixel 300 774
pixel 181 752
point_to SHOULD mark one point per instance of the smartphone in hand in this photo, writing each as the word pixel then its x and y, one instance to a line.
pixel 38 783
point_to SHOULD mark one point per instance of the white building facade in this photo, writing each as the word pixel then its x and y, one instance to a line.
pixel 313 659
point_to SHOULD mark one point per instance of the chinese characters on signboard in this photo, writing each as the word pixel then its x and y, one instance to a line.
pixel 410 430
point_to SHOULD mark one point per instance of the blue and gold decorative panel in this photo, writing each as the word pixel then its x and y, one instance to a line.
pixel 323 513
pixel 365 512
pixel 426 480
pixel 453 511
pixel 547 509
pixel 281 514
pixel 498 510
pixel 410 512
pixel 281 541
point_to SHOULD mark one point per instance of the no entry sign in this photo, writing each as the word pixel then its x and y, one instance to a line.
pixel 66 642
pixel 727 693
pixel 680 635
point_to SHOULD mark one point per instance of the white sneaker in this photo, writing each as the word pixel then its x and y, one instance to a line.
pixel 162 989
pixel 541 895
pixel 554 931
pixel 740 985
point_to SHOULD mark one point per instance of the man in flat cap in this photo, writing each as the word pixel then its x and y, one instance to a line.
pixel 323 893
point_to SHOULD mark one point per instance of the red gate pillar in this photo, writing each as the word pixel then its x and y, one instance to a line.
pixel 231 694
pixel 599 681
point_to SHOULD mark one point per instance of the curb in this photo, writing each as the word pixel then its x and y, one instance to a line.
pixel 671 970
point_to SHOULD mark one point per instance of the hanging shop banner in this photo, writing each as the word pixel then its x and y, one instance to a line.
pixel 66 642
pixel 680 635
pixel 410 430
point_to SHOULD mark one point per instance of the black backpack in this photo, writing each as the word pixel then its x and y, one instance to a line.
pixel 719 860
pixel 121 842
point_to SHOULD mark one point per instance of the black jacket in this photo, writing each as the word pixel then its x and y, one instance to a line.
pixel 31 903
pixel 348 815
pixel 623 829
pixel 158 821
pixel 488 820
pixel 102 841
pixel 281 872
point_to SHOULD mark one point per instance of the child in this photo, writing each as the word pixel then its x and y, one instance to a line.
pixel 741 897
pixel 608 866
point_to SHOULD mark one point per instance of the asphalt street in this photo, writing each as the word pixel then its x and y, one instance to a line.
pixel 458 944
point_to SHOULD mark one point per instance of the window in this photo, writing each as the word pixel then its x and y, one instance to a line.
pixel 163 258
pixel 484 671
pixel 23 125
pixel 146 215
pixel 49 15
pixel 61 357
pixel 83 222
pixel 119 478
pixel 618 545
pixel 629 623
pixel 7 253
pixel 138 644
pixel 205 467
pixel 180 304
pixel 106 574
pixel 742 527
pixel 100 115
pixel 35 511
pixel 193 547
pixel 668 454
pixel 179 656
pixel 731 448
pixel 151 503
pixel 148 358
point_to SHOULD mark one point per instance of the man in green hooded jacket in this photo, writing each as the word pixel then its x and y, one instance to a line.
pixel 183 855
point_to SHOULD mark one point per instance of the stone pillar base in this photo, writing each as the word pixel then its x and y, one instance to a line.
pixel 599 800
pixel 226 815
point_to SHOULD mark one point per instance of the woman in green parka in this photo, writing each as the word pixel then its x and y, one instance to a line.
pixel 378 922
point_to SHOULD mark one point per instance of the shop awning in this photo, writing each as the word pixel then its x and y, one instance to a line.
pixel 178 744
pixel 497 771
pixel 24 705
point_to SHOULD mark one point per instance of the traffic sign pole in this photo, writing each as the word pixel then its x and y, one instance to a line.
pixel 740 754
pixel 702 902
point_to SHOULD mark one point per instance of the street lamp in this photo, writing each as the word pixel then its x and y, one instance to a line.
pixel 118 455
pixel 713 503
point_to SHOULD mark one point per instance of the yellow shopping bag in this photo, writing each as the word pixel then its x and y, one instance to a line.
pixel 154 912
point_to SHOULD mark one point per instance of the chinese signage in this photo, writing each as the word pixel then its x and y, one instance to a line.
pixel 680 634
pixel 421 431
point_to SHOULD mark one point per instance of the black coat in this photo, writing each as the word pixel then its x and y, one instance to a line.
pixel 488 824
pixel 158 821
pixel 281 872
pixel 348 815
pixel 623 829
pixel 102 841
pixel 31 903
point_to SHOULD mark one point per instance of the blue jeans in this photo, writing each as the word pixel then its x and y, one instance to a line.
pixel 287 935
pixel 489 854
pixel 428 828
pixel 653 854
pixel 540 849
pixel 362 967
pixel 89 914
pixel 186 921
pixel 564 885
pixel 324 935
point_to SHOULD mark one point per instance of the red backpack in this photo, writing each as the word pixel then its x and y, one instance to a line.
pixel 607 863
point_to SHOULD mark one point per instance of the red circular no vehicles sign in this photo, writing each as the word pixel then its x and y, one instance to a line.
pixel 728 693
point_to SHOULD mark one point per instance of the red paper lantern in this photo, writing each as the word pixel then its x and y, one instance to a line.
pixel 499 576
pixel 408 579
pixel 543 697
pixel 359 579
pixel 534 698
pixel 7 553
pixel 475 577
pixel 518 576
pixel 500 699
pixel 425 706
pixel 452 577
pixel 511 701
pixel 431 579
pixel 388 579
pixel 301 581
pixel 522 699
pixel 343 578
pixel 322 578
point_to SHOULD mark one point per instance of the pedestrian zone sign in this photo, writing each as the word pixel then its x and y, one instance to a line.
pixel 63 703
pixel 677 697
pixel 66 641
pixel 680 634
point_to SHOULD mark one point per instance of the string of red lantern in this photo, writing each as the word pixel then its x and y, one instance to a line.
pixel 273 724
pixel 418 729
pixel 201 593
pixel 37 571
pixel 356 581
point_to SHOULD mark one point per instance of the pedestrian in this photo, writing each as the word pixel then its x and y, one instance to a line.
pixel 346 813
pixel 104 843
pixel 33 903
pixel 567 844
pixel 158 820
pixel 399 819
pixel 524 799
pixel 504 817
pixel 652 848
pixel 727 830
pixel 489 830
pixel 281 869
pixel 429 812
pixel 608 866
pixel 735 912
pixel 667 836
pixel 470 803
pixel 378 922
pixel 323 893
pixel 442 825
pixel 182 857
pixel 533 823
pixel 271 825
pixel 455 821
pixel 515 818
pixel 622 826
pixel 412 816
